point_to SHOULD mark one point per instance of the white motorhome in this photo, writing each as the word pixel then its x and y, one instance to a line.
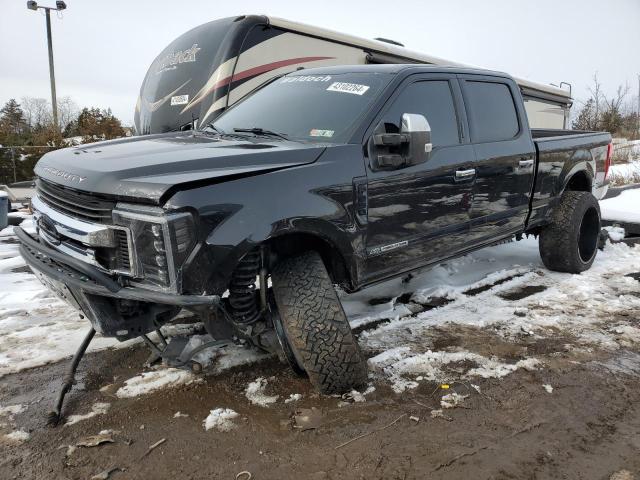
pixel 210 67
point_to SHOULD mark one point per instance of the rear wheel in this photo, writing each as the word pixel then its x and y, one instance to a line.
pixel 315 325
pixel 570 242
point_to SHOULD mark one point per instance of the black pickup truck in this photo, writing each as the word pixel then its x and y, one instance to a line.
pixel 342 175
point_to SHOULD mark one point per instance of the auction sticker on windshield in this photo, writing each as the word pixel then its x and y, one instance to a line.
pixel 316 132
pixel 180 100
pixel 344 87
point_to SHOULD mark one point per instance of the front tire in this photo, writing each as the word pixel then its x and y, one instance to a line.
pixel 570 242
pixel 316 326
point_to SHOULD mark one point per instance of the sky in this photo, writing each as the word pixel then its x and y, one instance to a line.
pixel 103 48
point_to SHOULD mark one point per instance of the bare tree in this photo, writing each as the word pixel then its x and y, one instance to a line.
pixel 596 95
pixel 613 114
pixel 37 112
pixel 68 111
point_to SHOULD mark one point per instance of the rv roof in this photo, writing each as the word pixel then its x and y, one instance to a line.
pixel 393 68
pixel 383 47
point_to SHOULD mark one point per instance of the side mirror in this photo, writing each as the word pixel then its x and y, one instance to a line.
pixel 411 146
pixel 417 128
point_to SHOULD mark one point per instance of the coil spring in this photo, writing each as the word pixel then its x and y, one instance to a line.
pixel 242 289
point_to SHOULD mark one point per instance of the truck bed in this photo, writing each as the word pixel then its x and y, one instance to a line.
pixel 560 154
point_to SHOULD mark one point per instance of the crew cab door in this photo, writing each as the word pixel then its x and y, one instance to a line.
pixel 419 213
pixel 505 156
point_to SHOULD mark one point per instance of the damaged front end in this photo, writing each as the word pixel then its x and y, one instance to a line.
pixel 119 263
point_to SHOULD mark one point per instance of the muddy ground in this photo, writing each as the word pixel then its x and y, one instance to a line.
pixel 588 427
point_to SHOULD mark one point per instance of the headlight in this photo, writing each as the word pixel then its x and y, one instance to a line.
pixel 161 243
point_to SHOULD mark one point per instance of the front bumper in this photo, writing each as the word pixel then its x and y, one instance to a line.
pixel 94 293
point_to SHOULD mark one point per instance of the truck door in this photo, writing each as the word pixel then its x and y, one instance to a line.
pixel 505 156
pixel 419 213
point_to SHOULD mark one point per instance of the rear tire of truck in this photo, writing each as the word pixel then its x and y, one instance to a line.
pixel 570 242
pixel 316 326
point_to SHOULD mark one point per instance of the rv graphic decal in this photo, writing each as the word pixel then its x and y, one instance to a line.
pixel 152 106
pixel 170 61
pixel 217 80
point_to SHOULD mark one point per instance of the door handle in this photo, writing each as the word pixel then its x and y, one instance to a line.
pixel 465 174
pixel 525 163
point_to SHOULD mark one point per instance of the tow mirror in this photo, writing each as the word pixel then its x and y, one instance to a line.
pixel 417 128
pixel 409 147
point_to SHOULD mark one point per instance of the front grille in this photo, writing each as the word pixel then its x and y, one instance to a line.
pixel 81 205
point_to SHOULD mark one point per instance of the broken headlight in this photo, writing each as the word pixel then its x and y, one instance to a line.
pixel 161 243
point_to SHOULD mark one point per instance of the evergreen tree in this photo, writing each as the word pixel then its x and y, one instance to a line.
pixel 13 126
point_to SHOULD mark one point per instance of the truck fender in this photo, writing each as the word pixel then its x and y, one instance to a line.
pixel 578 169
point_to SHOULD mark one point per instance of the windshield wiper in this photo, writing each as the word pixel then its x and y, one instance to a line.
pixel 261 131
pixel 214 128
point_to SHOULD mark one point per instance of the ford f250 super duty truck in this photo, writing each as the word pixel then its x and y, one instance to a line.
pixel 344 175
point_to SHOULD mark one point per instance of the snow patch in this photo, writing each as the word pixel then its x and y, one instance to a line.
pixel 98 408
pixel 255 392
pixel 616 234
pixel 548 388
pixel 149 382
pixel 400 364
pixel 17 436
pixel 623 207
pixel 220 419
pixel 294 397
pixel 11 410
pixel 452 400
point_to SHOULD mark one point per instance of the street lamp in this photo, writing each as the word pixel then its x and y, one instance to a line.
pixel 60 5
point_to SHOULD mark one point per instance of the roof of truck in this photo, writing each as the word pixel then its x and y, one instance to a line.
pixel 395 50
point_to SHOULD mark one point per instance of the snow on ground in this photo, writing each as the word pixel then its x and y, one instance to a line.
pixel 11 410
pixel 220 419
pixel 294 397
pixel 625 173
pixel 624 207
pixel 36 327
pixel 17 436
pixel 626 162
pixel 405 368
pixel 593 309
pixel 98 408
pixel 148 382
pixel 255 392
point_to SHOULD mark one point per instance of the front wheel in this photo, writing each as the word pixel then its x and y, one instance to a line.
pixel 570 242
pixel 315 325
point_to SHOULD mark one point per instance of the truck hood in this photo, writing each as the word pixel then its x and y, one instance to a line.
pixel 145 168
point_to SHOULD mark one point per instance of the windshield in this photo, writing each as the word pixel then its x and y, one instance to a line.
pixel 317 108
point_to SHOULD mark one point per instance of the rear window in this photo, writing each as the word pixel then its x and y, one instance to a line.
pixel 491 111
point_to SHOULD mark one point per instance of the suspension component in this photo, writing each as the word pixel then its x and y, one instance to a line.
pixel 243 300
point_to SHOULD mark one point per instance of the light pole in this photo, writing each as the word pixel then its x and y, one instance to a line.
pixel 60 5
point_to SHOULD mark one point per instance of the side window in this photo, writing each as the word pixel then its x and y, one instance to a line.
pixel 433 99
pixel 491 111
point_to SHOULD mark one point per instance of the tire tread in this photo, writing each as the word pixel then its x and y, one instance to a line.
pixel 316 325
